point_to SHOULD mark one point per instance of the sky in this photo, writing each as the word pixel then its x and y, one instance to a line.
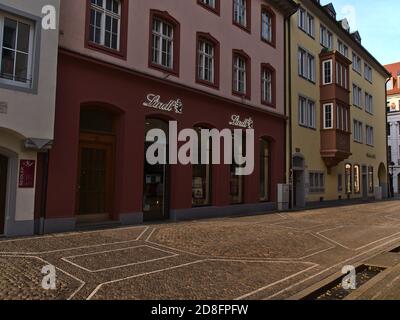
pixel 377 21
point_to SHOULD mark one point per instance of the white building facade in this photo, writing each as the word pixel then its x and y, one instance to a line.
pixel 28 74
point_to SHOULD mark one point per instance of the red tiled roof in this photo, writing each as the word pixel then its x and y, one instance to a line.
pixel 394 69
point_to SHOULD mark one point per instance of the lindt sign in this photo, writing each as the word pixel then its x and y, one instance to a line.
pixel 247 123
pixel 154 101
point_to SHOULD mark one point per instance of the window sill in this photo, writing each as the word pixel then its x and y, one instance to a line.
pixel 241 95
pixel 211 9
pixel 163 69
pixel 242 27
pixel 112 52
pixel 205 83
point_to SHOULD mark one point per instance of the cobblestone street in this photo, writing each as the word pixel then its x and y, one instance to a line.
pixel 273 256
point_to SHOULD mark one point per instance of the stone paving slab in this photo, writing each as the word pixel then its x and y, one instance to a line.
pixel 272 256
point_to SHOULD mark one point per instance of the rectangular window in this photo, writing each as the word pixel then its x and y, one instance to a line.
pixel 358 131
pixel 328 116
pixel 307 113
pixel 370 135
pixel 317 182
pixel 105 23
pixel 16 50
pixel 240 74
pixel 326 37
pixel 343 49
pixel 306 65
pixel 368 72
pixel 341 75
pixel 369 103
pixel 267 77
pixel 356 63
pixel 163 44
pixel 206 61
pixel 267 25
pixel 306 22
pixel 357 96
pixel 327 72
pixel 240 12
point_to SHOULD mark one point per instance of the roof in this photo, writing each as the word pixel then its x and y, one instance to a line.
pixel 351 39
pixel 394 69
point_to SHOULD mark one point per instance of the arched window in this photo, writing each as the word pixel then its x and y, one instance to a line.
pixel 348 179
pixel 202 174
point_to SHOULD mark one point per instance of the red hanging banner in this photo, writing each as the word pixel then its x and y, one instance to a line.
pixel 27 173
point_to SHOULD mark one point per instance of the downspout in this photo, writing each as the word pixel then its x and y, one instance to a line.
pixel 390 195
pixel 290 115
pixel 43 204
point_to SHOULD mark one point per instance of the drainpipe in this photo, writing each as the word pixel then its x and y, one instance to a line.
pixel 390 195
pixel 43 203
pixel 290 115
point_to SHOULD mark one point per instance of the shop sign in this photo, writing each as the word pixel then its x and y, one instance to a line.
pixel 247 123
pixel 154 101
pixel 27 173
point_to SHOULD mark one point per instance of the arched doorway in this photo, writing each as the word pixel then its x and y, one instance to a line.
pixel 95 192
pixel 299 181
pixel 3 191
pixel 156 192
pixel 383 180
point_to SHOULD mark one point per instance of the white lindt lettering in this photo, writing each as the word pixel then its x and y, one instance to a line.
pixel 237 122
pixel 154 101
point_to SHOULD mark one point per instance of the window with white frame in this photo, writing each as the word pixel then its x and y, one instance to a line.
pixel 370 135
pixel 369 103
pixel 368 72
pixel 307 113
pixel 239 74
pixel 267 25
pixel 357 96
pixel 358 131
pixel 327 72
pixel 16 44
pixel 105 23
pixel 209 3
pixel 206 61
pixel 326 37
pixel 163 43
pixel 317 182
pixel 356 63
pixel 343 49
pixel 240 12
pixel 306 65
pixel 328 116
pixel 267 85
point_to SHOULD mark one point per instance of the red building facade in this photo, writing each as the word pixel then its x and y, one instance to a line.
pixel 97 169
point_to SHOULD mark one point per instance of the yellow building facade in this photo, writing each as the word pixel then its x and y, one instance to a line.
pixel 336 101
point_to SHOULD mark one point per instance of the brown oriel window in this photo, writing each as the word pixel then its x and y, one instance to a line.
pixel 241 14
pixel 212 5
pixel 207 60
pixel 164 42
pixel 241 78
pixel 107 26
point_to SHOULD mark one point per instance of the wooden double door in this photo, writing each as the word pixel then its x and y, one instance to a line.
pixel 3 191
pixel 96 175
